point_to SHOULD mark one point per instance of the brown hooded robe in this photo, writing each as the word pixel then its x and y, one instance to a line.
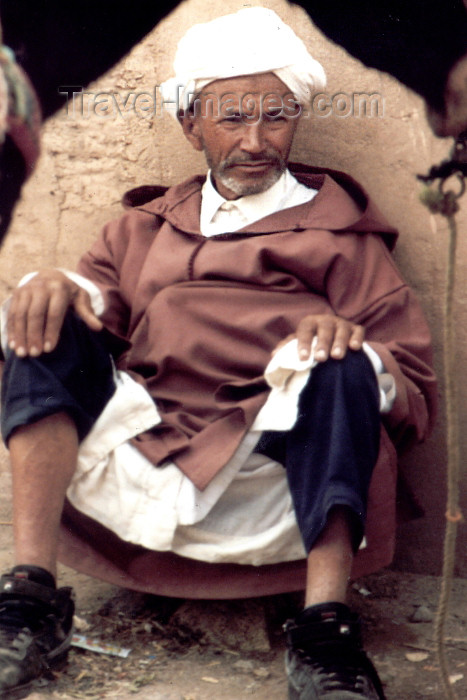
pixel 202 316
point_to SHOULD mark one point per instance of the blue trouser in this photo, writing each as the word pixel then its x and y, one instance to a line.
pixel 76 378
pixel 329 454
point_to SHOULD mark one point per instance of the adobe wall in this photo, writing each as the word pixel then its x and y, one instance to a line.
pixel 90 158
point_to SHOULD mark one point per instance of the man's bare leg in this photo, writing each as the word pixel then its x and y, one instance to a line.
pixel 43 460
pixel 330 561
pixel 36 618
pixel 324 654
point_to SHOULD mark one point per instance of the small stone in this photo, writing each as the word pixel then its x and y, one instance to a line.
pixel 455 677
pixel 261 672
pixel 81 625
pixel 362 590
pixel 421 614
pixel 416 656
pixel 244 666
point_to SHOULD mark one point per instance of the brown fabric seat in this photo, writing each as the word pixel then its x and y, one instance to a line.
pixel 92 549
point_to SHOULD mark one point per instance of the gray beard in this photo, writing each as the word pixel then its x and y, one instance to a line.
pixel 241 189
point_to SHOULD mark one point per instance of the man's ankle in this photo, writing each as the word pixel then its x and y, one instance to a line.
pixel 34 573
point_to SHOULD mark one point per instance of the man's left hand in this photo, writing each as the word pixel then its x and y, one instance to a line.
pixel 334 335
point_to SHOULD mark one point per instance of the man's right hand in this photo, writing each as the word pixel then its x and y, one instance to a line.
pixel 38 308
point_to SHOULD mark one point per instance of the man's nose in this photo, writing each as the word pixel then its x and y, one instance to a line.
pixel 252 138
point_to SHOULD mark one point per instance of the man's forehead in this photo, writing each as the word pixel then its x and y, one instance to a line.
pixel 259 83
pixel 262 94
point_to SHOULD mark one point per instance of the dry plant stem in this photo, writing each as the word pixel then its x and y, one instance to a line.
pixel 452 514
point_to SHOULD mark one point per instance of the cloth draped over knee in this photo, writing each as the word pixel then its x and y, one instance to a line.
pixel 332 442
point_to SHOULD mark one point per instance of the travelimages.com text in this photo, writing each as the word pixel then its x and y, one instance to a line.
pixel 85 104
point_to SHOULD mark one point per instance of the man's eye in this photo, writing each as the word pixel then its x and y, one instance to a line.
pixel 232 119
pixel 276 116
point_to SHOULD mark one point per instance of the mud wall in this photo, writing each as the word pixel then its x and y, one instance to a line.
pixel 98 147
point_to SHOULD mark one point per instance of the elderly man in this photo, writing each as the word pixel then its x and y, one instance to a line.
pixel 240 420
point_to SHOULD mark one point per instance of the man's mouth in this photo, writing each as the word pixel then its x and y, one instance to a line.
pixel 253 165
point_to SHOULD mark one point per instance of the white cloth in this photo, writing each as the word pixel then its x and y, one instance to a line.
pixel 245 515
pixel 219 215
pixel 252 40
pixel 159 508
pixel 287 375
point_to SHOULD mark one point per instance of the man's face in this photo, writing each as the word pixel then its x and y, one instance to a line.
pixel 245 126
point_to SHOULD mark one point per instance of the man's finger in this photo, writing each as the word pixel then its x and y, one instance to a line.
pixel 326 335
pixel 346 336
pixel 83 307
pixel 306 331
pixel 58 306
pixel 17 321
pixel 357 338
pixel 36 320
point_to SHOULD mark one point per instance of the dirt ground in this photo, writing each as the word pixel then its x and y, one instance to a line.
pixel 205 650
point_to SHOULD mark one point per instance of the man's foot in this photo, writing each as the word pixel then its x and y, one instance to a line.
pixel 36 624
pixel 325 659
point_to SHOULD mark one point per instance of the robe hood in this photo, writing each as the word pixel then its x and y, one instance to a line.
pixel 341 205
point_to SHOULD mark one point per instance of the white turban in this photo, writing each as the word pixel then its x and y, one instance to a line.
pixel 252 40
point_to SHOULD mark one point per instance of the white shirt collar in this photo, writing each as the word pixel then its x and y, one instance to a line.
pixel 219 215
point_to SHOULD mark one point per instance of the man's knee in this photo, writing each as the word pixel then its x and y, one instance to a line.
pixel 75 378
pixel 349 383
pixel 354 370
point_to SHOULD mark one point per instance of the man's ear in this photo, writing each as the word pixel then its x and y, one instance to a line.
pixel 191 129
